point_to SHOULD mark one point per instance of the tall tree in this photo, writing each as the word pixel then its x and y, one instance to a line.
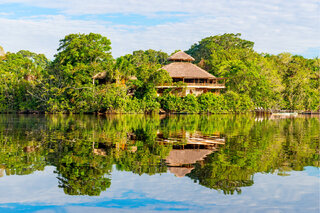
pixel 21 74
pixel 80 57
pixel 210 52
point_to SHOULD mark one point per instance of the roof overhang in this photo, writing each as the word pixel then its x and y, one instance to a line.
pixel 193 86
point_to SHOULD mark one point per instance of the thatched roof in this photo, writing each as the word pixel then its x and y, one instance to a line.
pixel 180 56
pixel 180 171
pixel 186 70
pixel 186 156
pixel 100 75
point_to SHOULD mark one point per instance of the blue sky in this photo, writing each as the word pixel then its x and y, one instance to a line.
pixel 274 25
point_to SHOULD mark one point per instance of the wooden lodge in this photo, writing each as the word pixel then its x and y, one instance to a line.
pixel 194 79
pixel 187 78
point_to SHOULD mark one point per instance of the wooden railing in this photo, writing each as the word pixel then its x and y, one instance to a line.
pixel 194 84
pixel 204 84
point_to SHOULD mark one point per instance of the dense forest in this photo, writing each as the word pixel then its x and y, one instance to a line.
pixel 33 83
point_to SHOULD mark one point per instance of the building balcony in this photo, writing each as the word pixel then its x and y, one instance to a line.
pixel 194 85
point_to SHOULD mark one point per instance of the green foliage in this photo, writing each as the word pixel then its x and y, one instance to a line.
pixel 271 82
pixel 171 103
pixel 70 86
pixel 30 82
pixel 190 104
pixel 211 103
pixel 77 49
pixel 2 53
pixel 149 57
pixel 159 77
pixel 21 73
pixel 124 67
pixel 83 149
pixel 237 103
pixel 207 103
pixel 300 81
pixel 112 99
pixel 267 146
pixel 214 50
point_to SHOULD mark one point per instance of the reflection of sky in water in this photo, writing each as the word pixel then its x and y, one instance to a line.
pixel 312 171
pixel 298 192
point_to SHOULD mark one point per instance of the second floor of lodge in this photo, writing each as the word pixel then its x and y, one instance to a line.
pixel 215 83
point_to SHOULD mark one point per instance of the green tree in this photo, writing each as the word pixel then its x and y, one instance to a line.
pixel 211 103
pixel 80 57
pixel 210 52
pixel 2 53
pixel 22 73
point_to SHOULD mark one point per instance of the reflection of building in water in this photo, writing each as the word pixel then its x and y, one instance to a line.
pixel 278 116
pixel 180 161
pixel 193 140
pixel 188 149
pixel 180 171
pixel 179 157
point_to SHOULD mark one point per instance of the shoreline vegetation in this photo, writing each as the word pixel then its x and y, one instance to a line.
pixel 70 83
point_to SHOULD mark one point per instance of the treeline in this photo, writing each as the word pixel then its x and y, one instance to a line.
pixel 31 82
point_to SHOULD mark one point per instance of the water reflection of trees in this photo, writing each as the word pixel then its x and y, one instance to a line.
pixel 84 149
pixel 269 147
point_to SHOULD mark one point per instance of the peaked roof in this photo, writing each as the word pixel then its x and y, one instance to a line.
pixel 180 171
pixel 181 56
pixel 186 70
pixel 186 156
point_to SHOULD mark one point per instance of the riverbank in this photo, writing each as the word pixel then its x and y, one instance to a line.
pixel 163 112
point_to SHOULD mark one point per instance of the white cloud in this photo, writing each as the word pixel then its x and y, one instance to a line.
pixel 6 14
pixel 203 7
pixel 275 26
pixel 41 35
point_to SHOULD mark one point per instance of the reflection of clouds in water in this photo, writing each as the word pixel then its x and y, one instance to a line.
pixel 297 192
pixel 39 187
pixel 293 192
pixel 312 171
pixel 165 191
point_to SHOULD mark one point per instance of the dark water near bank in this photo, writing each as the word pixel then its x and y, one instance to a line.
pixel 136 163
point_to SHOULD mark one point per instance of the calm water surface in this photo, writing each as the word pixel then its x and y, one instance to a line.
pixel 136 163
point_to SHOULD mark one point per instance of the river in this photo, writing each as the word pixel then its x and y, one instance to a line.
pixel 177 163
